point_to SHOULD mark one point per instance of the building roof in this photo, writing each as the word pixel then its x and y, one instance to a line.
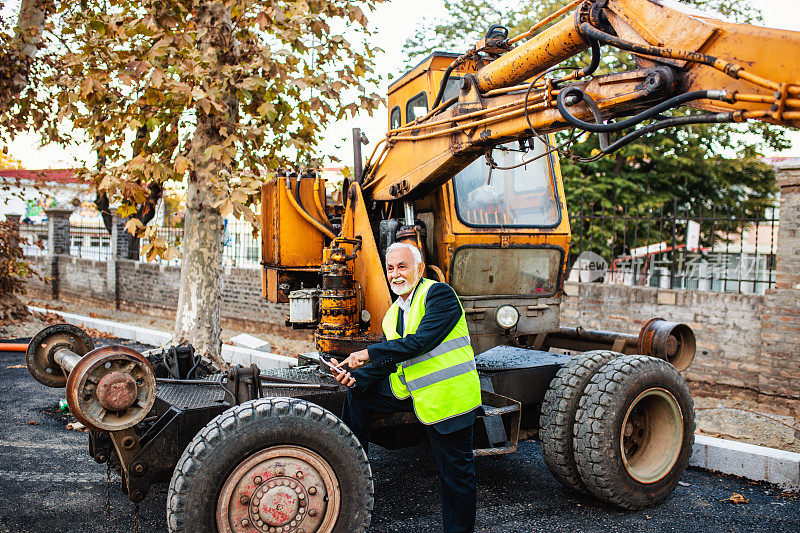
pixel 54 175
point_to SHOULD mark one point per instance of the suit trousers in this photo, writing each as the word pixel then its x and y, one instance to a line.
pixel 452 452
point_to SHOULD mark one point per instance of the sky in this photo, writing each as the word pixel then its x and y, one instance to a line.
pixel 394 22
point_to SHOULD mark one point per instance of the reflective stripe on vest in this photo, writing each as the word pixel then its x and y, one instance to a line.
pixel 446 346
pixel 442 382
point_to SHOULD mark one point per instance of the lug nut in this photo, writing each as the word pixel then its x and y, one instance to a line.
pixel 312 512
pixel 257 480
pixel 138 468
pixel 279 472
pixel 299 474
pixel 244 500
pixel 245 522
pixel 312 490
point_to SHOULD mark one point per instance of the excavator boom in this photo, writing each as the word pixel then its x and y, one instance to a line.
pixel 735 72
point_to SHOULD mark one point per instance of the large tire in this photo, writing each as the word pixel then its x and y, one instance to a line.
pixel 558 414
pixel 634 431
pixel 273 464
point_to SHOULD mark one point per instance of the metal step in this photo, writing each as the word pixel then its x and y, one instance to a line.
pixel 496 410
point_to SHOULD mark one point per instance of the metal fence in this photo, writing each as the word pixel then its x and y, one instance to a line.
pixel 89 239
pixel 240 248
pixel 674 247
pixel 34 238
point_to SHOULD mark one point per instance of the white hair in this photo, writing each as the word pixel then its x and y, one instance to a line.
pixel 406 246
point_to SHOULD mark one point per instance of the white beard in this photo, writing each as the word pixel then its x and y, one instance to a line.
pixel 399 289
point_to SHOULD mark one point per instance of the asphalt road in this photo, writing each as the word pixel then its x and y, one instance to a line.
pixel 49 483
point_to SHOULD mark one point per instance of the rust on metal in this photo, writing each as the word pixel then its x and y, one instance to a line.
pixel 116 391
pixel 671 341
pixel 84 395
pixel 259 495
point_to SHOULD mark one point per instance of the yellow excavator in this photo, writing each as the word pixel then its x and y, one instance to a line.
pixel 469 173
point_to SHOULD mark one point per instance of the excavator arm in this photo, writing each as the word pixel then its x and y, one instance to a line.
pixel 733 72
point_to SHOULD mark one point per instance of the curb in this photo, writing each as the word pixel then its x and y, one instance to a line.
pixel 235 355
pixel 757 463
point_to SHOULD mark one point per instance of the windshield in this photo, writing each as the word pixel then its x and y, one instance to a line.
pixel 521 196
pixel 494 271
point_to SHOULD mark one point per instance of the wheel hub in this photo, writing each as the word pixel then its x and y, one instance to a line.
pixel 284 489
pixel 116 391
pixel 277 502
pixel 651 435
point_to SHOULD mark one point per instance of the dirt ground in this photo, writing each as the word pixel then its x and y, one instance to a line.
pixel 728 418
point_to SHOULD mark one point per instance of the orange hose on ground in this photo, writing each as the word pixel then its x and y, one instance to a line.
pixel 13 347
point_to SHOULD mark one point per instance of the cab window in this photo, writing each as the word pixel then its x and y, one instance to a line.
pixel 416 107
pixel 394 118
pixel 522 194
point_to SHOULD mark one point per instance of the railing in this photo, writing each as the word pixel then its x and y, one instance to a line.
pixel 34 238
pixel 240 247
pixel 673 247
pixel 89 239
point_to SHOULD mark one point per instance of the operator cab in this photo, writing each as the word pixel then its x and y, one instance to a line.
pixel 412 95
pixel 498 230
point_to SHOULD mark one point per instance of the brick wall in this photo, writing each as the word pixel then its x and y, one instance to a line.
pixel 40 285
pixel 83 280
pixel 781 331
pixel 727 326
pixel 148 285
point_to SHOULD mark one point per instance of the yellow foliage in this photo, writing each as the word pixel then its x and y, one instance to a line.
pixel 8 161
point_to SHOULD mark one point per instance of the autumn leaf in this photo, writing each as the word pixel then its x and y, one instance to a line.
pixel 181 164
pixel 134 226
pixel 126 210
pixel 736 498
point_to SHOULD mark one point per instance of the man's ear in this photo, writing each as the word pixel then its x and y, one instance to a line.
pixel 421 270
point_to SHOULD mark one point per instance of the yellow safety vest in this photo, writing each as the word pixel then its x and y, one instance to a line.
pixel 443 382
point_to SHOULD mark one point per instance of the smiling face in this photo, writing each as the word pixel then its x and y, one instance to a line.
pixel 401 271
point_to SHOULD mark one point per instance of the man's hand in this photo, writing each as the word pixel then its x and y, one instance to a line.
pixel 357 359
pixel 343 376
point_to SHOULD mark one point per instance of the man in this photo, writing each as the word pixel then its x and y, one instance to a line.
pixel 425 365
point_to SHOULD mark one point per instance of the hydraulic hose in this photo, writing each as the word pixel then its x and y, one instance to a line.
pixel 311 220
pixel 443 85
pixel 590 31
pixel 709 118
pixel 595 61
pixel 634 120
pixel 318 204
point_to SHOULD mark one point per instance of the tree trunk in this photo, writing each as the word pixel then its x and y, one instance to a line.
pixel 198 314
pixel 28 38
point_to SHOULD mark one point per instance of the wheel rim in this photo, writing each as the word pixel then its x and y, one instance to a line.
pixel 651 435
pixel 282 489
pixel 85 384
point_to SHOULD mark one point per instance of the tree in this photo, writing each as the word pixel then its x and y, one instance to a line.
pixel 682 164
pixel 219 93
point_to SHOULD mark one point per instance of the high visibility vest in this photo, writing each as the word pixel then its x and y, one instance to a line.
pixel 443 382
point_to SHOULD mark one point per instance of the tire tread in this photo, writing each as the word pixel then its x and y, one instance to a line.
pixel 253 412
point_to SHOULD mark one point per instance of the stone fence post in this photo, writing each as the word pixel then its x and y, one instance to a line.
pixel 780 332
pixel 14 221
pixel 123 244
pixel 58 241
pixel 58 231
